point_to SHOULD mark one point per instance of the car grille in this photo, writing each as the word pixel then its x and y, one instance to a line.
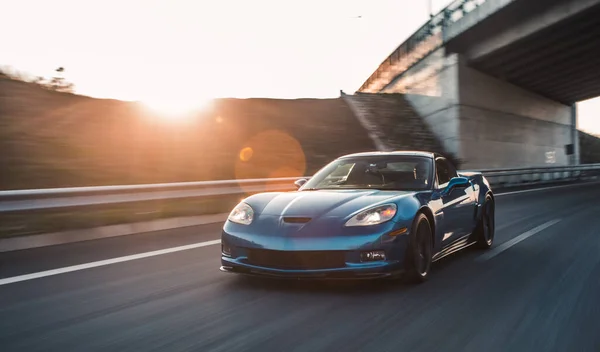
pixel 296 259
pixel 296 220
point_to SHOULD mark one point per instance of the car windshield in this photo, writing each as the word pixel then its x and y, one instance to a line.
pixel 392 172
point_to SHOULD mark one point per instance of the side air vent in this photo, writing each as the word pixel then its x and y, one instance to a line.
pixel 296 220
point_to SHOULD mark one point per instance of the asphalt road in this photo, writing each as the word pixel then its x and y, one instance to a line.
pixel 537 294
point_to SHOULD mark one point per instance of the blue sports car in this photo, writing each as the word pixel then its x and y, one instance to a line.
pixel 365 215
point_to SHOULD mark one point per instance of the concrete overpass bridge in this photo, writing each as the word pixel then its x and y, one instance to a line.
pixel 497 80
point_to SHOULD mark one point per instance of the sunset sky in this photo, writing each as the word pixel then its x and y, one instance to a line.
pixel 179 51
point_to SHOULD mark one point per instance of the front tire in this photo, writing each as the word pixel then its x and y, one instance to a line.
pixel 486 227
pixel 420 250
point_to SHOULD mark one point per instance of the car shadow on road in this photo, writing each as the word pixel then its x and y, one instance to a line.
pixel 316 286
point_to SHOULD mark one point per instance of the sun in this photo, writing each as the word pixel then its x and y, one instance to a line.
pixel 175 107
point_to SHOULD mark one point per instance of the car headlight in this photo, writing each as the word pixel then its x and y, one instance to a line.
pixel 373 216
pixel 242 214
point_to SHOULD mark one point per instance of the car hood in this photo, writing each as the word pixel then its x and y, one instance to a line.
pixel 324 203
pixel 318 214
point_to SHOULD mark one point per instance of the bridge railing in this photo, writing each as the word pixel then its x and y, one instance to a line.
pixel 425 40
pixel 56 198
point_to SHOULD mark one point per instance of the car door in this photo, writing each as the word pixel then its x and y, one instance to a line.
pixel 458 205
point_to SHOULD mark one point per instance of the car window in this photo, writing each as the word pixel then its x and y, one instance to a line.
pixel 339 173
pixel 391 172
pixel 445 171
pixel 406 166
pixel 342 170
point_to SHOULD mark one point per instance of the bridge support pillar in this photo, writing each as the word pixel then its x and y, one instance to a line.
pixel 503 125
pixel 485 121
pixel 575 160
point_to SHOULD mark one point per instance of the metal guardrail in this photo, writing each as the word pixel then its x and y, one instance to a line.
pixel 104 199
pixel 53 198
pixel 40 199
pixel 530 176
pixel 424 41
pixel 72 191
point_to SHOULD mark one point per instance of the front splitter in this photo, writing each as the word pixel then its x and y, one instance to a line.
pixel 350 275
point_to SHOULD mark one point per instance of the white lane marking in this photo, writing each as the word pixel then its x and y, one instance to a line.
pixel 127 258
pixel 540 189
pixel 506 245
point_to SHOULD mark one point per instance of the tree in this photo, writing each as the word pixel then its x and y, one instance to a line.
pixel 59 84
pixel 39 80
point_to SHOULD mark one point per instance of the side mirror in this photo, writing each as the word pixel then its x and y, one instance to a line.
pixel 299 183
pixel 456 182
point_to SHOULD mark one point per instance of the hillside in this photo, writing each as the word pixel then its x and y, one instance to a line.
pixel 51 139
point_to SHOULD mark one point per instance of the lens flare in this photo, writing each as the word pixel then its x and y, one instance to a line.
pixel 271 154
pixel 246 154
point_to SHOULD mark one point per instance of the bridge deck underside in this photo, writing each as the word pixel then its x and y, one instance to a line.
pixel 562 62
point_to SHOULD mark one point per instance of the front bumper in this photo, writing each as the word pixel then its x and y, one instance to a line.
pixel 336 257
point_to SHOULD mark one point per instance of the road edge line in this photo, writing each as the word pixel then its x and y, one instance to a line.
pixel 510 243
pixel 71 236
pixel 68 269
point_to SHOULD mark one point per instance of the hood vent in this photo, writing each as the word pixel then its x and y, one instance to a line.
pixel 296 220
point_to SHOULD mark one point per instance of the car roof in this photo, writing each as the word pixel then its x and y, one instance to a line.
pixel 393 153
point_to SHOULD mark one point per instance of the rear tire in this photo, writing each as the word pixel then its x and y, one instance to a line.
pixel 419 252
pixel 486 226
